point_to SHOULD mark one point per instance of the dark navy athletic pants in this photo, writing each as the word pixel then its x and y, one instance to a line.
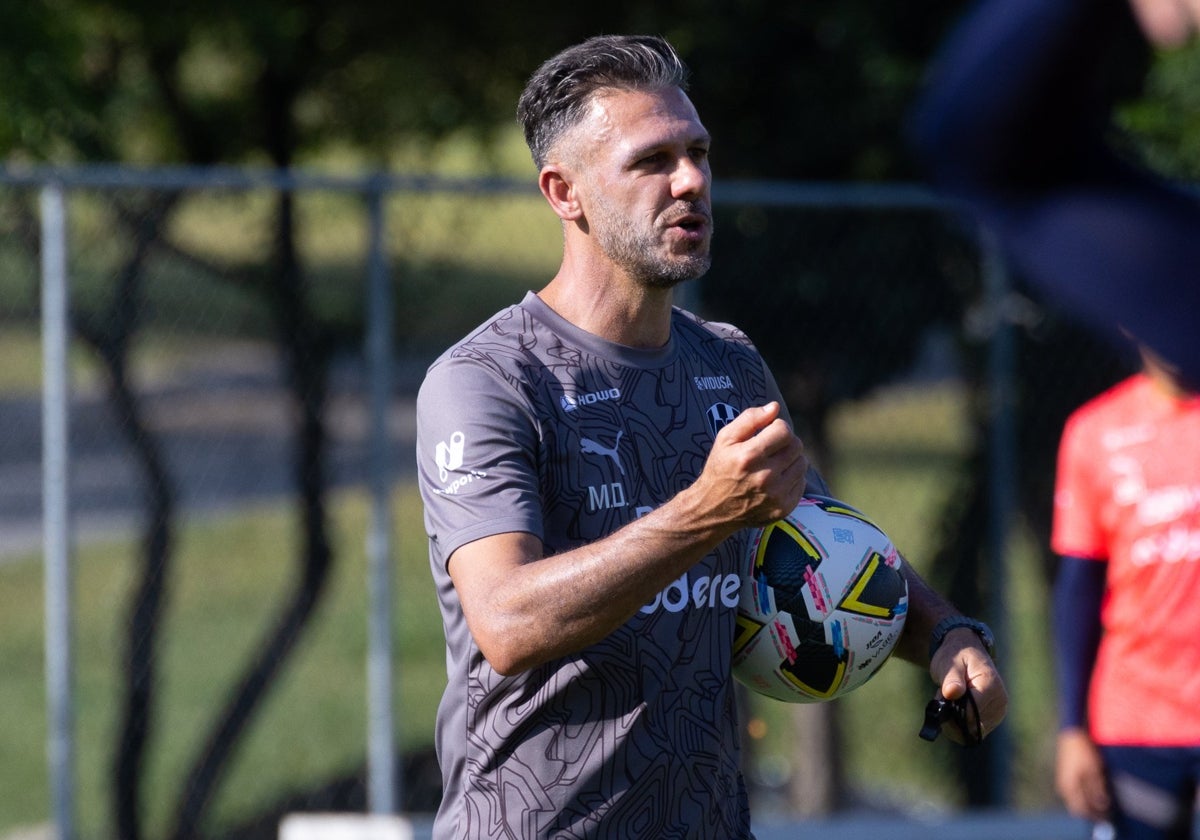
pixel 1153 791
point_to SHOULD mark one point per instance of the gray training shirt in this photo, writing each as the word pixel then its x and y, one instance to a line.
pixel 531 424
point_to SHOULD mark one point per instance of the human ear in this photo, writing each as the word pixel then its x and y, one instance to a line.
pixel 558 187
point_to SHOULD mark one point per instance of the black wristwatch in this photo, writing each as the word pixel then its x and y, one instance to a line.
pixel 953 623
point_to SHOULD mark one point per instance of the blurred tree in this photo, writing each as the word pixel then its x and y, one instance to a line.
pixel 811 91
pixel 1164 121
pixel 815 90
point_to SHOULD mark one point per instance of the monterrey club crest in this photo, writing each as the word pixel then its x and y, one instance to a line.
pixel 719 416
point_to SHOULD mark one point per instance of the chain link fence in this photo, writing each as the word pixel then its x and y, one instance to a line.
pixel 215 605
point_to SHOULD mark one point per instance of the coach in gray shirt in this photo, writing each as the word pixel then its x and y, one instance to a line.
pixel 584 452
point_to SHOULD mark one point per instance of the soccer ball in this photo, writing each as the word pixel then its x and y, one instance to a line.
pixel 823 606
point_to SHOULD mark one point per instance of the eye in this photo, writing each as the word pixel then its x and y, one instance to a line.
pixel 652 159
pixel 698 153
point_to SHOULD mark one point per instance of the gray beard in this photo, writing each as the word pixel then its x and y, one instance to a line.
pixel 637 254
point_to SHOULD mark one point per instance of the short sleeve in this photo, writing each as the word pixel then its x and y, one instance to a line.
pixel 477 456
pixel 1077 529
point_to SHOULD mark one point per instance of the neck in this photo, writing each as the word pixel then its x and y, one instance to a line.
pixel 1165 377
pixel 1170 385
pixel 614 307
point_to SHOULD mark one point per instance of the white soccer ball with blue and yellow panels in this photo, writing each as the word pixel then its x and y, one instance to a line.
pixel 822 606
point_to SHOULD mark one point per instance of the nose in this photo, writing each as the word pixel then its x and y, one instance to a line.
pixel 691 179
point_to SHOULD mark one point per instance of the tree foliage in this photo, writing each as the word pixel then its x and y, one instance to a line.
pixel 813 90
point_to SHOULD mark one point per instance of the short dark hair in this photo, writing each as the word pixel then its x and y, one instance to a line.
pixel 557 94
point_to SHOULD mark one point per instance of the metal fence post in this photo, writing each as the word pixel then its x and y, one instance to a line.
pixel 1002 454
pixel 55 508
pixel 383 787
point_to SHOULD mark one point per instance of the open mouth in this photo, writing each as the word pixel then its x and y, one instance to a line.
pixel 693 224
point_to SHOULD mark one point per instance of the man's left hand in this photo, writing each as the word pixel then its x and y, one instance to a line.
pixel 961 663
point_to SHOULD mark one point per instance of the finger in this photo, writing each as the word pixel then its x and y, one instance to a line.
pixel 954 684
pixel 776 441
pixel 796 472
pixel 981 692
pixel 991 708
pixel 782 448
pixel 972 668
pixel 1076 802
pixel 749 423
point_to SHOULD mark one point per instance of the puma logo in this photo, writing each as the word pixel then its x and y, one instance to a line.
pixel 591 447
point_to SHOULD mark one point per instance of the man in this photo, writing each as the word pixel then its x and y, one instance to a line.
pixel 584 450
pixel 1127 524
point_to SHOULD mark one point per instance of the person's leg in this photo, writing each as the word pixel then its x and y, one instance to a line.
pixel 1153 792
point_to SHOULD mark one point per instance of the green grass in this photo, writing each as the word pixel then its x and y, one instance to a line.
pixel 230 576
pixel 894 456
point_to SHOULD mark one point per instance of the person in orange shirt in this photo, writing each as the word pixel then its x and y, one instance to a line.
pixel 1127 630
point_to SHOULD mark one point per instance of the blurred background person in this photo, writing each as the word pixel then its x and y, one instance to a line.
pixel 1015 122
pixel 1127 632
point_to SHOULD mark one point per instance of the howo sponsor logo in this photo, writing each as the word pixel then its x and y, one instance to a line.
pixel 697 592
pixel 572 402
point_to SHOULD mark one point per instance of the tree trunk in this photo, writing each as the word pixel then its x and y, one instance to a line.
pixel 817 786
pixel 111 336
pixel 306 360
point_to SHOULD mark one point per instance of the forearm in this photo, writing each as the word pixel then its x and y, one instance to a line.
pixel 551 606
pixel 526 612
pixel 925 609
pixel 1078 593
pixel 524 609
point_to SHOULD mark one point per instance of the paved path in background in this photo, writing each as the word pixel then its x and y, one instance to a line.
pixel 992 825
pixel 225 429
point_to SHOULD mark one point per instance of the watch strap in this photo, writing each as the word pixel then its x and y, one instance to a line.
pixel 954 622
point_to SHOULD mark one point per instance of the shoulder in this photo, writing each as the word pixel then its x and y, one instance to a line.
pixel 1111 420
pixel 490 356
pixel 691 326
pixel 1115 405
pixel 499 334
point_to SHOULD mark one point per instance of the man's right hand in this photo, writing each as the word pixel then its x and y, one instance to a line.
pixel 755 473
